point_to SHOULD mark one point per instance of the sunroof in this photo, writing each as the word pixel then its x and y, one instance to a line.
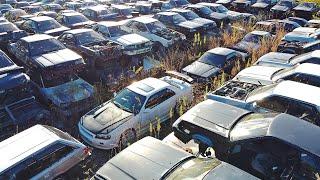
pixel 144 87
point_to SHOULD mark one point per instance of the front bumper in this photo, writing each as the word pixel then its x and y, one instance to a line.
pixel 90 139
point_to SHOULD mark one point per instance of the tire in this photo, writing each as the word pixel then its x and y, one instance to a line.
pixel 128 137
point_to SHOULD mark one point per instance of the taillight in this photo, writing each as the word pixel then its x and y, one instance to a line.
pixel 87 151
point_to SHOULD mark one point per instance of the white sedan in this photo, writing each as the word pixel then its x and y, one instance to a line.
pixel 117 122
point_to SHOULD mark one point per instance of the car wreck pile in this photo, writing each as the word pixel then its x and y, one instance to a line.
pixel 262 123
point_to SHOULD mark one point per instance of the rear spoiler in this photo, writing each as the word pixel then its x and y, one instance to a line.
pixel 180 76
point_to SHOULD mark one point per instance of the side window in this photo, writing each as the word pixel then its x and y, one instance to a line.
pixel 43 160
pixel 159 97
pixel 303 111
pixel 275 103
pixel 141 27
pixel 313 61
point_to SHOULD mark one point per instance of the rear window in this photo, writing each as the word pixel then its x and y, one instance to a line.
pixel 213 59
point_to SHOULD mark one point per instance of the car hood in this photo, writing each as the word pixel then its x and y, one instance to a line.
pixel 280 8
pixel 203 21
pixel 275 57
pixel 260 5
pixel 104 116
pixel 189 25
pixel 56 31
pixel 234 14
pixel 69 92
pixel 303 8
pixel 130 39
pixel 218 16
pixel 201 69
pixel 65 56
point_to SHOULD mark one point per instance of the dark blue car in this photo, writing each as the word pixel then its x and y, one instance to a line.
pixel 18 107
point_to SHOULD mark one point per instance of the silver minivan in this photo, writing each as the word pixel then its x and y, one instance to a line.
pixel 40 152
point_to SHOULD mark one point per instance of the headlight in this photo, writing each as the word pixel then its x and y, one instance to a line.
pixel 103 136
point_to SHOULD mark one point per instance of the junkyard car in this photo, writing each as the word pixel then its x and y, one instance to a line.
pixel 43 25
pixel 165 162
pixel 179 3
pixel 179 23
pixel 97 51
pixel 21 4
pixel 154 30
pixel 283 97
pixel 283 8
pixel 52 67
pixel 263 5
pixel 212 63
pixel 32 9
pixel 18 107
pixel 267 145
pixel 301 36
pixel 14 14
pixel 264 75
pixel 252 41
pixel 122 11
pixel 287 60
pixel 133 110
pixel 5 7
pixel 306 10
pixel 51 153
pixel 314 23
pixel 243 5
pixel 209 25
pixel 74 20
pixel 132 44
pixel 99 13
pixel 232 15
pixel 301 21
pixel 73 5
pixel 9 33
pixel 298 48
pixel 52 7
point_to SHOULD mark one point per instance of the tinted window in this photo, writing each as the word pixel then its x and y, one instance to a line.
pixel 45 46
pixel 159 97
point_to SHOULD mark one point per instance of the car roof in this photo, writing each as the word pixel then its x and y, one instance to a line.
pixel 210 4
pixel 221 51
pixel 289 129
pixel 40 18
pixel 259 73
pixel 110 23
pixel 148 158
pixel 71 14
pixel 180 10
pixel 277 55
pixel 308 68
pixel 297 91
pixel 167 13
pixel 18 147
pixel 78 31
pixel 148 86
pixel 214 116
pixel 36 37
pixel 145 19
pixel 96 8
pixel 120 6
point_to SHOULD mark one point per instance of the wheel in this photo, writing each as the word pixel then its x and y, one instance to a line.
pixel 127 137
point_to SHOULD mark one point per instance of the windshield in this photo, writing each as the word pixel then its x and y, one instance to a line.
pixel 190 15
pixel 14 94
pixel 177 18
pixel 89 37
pixel 213 59
pixel 129 101
pixel 252 38
pixel 8 27
pixel 49 81
pixel 48 25
pixel 221 9
pixel 206 10
pixel 196 168
pixel 126 12
pixel 116 31
pixel 77 19
pixel 285 3
pixel 155 26
pixel 45 46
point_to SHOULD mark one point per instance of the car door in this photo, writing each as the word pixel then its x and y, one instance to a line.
pixel 157 108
